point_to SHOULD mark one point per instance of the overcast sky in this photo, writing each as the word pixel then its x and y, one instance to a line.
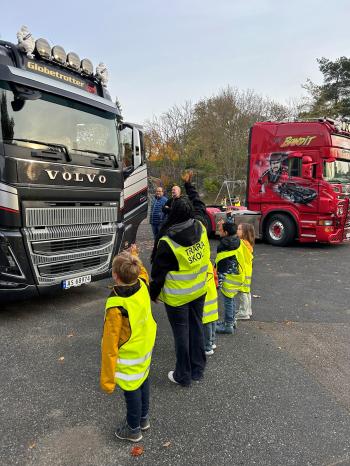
pixel 162 52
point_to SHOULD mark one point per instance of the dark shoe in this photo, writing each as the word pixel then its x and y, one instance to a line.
pixel 225 327
pixel 144 423
pixel 124 432
pixel 171 378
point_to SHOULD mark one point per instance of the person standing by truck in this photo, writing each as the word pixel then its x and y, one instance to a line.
pixel 157 215
pixel 230 267
pixel 246 233
pixel 179 274
pixel 129 334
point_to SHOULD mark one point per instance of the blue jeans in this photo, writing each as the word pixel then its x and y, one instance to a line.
pixel 137 404
pixel 209 335
pixel 155 229
pixel 230 309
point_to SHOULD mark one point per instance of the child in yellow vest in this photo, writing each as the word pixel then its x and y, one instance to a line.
pixel 129 334
pixel 210 312
pixel 246 233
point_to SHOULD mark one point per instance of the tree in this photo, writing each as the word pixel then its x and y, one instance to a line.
pixel 332 98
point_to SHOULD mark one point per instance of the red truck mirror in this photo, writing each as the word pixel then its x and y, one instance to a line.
pixel 306 159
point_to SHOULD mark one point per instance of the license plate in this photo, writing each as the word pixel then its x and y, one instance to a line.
pixel 77 281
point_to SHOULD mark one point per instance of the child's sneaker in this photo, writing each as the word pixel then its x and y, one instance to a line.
pixel 124 432
pixel 213 346
pixel 209 352
pixel 144 423
pixel 225 327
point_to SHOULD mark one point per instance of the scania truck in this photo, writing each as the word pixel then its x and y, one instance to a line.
pixel 298 182
pixel 73 178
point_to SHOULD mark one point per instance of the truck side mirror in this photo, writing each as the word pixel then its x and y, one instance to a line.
pixel 307 167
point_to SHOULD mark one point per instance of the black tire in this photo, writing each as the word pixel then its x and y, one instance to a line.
pixel 280 230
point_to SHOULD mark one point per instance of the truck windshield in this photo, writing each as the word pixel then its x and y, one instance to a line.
pixel 337 171
pixel 54 119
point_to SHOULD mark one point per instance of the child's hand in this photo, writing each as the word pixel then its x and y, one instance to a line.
pixel 133 249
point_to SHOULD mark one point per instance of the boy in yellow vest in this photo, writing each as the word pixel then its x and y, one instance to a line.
pixel 230 267
pixel 129 334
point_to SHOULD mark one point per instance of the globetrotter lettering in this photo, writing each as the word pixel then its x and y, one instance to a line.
pixel 302 141
pixel 55 74
pixel 195 252
pixel 67 176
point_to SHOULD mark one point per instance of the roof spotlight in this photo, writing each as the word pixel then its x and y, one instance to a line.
pixel 73 60
pixel 43 48
pixel 87 67
pixel 59 54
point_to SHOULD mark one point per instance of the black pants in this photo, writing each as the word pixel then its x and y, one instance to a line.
pixel 186 324
pixel 137 404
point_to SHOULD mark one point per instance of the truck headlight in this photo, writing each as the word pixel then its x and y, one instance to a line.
pixel 325 223
pixel 8 263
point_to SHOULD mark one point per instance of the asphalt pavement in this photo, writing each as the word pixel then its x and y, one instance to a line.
pixel 275 393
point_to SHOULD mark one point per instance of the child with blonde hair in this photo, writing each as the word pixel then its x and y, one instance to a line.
pixel 246 233
pixel 129 334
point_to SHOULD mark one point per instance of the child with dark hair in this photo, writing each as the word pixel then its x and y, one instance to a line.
pixel 230 266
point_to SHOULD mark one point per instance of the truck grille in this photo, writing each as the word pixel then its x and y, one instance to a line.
pixel 65 242
pixel 69 267
pixel 43 216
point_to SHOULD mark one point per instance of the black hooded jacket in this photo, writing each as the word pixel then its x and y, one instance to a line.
pixel 227 243
pixel 185 233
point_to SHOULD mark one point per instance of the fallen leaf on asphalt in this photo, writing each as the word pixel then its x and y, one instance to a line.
pixel 288 322
pixel 70 335
pixel 166 444
pixel 256 296
pixel 32 445
pixel 61 358
pixel 278 347
pixel 137 450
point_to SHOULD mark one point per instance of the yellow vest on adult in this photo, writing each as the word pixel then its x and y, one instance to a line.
pixel 210 310
pixel 233 282
pixel 134 357
pixel 248 259
pixel 189 282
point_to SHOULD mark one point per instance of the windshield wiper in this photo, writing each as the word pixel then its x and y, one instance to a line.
pixel 104 159
pixel 51 153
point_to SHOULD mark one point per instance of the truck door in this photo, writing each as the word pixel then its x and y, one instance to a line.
pixel 135 172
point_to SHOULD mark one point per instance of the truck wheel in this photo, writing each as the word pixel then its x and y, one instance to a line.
pixel 280 230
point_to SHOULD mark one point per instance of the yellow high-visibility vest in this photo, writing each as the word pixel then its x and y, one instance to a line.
pixel 248 259
pixel 211 309
pixel 233 282
pixel 189 282
pixel 134 357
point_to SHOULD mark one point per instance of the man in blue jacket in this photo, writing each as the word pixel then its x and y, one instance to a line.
pixel 157 215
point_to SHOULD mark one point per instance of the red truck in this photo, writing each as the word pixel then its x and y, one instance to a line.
pixel 298 184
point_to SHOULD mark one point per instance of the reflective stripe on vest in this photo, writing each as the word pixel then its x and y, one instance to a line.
pixel 189 282
pixel 210 310
pixel 133 363
pixel 233 283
